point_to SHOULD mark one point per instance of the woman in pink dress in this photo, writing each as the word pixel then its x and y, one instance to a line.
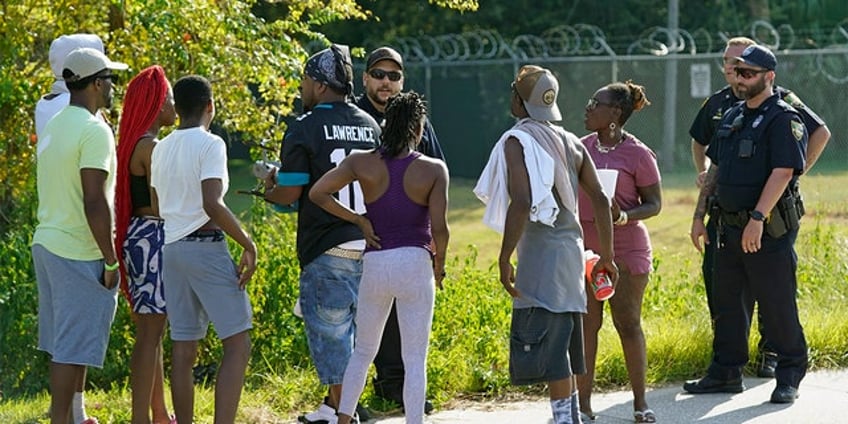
pixel 638 196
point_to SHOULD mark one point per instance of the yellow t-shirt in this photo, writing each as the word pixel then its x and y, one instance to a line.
pixel 73 140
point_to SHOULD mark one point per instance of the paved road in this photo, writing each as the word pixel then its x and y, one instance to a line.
pixel 824 400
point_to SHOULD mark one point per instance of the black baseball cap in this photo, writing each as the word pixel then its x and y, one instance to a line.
pixel 384 53
pixel 758 56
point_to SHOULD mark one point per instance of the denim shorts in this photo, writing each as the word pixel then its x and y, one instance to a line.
pixel 545 346
pixel 329 286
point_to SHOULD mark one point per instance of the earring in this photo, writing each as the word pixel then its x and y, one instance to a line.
pixel 612 129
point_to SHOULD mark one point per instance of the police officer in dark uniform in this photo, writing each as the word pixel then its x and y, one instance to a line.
pixel 758 151
pixel 703 130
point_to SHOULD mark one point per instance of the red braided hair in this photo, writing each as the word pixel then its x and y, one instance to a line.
pixel 145 95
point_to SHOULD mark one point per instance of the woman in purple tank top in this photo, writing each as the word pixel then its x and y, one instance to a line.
pixel 406 230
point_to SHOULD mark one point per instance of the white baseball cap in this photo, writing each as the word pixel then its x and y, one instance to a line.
pixel 62 46
pixel 85 62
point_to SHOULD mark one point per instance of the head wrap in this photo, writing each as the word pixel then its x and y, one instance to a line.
pixel 332 67
pixel 143 101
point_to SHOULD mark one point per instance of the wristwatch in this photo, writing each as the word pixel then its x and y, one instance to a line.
pixel 757 215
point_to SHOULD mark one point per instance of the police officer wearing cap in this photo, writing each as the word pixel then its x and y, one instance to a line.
pixel 703 130
pixel 758 152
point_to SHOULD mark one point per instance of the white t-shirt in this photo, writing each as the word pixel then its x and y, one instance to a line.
pixel 180 162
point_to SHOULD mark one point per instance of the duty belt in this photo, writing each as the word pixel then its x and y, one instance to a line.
pixel 344 253
pixel 734 219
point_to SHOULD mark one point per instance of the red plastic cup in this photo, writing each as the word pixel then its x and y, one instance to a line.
pixel 601 284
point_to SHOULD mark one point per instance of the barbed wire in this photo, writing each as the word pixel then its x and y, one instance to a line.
pixel 589 40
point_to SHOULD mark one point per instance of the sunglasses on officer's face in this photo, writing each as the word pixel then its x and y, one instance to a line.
pixel 748 73
pixel 379 74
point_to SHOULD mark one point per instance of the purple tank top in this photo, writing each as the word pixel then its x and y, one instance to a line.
pixel 397 220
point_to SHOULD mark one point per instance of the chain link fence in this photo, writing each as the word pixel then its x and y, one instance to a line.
pixel 466 78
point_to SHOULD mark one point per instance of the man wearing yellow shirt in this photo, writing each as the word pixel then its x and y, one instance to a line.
pixel 72 248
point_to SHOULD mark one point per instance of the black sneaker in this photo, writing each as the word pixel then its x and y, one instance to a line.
pixel 767 364
pixel 364 414
pixel 784 393
pixel 713 385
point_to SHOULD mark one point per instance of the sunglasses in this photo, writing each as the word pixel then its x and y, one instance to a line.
pixel 379 74
pixel 748 73
pixel 594 103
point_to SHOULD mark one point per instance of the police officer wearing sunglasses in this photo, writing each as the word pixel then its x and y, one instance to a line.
pixel 757 155
pixel 703 130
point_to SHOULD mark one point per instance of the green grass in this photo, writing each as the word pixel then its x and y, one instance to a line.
pixel 469 344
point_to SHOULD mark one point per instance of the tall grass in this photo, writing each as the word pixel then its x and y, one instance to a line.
pixel 469 344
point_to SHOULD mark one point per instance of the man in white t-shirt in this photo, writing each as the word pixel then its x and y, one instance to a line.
pixel 58 97
pixel 189 178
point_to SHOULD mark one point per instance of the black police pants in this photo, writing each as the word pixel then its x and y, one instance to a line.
pixel 388 384
pixel 769 276
pixel 707 269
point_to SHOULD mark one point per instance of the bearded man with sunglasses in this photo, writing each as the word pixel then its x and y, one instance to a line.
pixel 703 130
pixel 383 78
pixel 756 157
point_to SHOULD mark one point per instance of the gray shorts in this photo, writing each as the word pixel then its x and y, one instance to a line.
pixel 545 346
pixel 201 285
pixel 75 311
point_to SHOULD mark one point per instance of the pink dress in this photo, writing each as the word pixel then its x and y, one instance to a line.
pixel 637 167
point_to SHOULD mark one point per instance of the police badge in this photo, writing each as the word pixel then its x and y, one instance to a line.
pixel 797 130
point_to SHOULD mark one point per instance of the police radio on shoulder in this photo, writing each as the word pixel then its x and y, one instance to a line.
pixel 757 215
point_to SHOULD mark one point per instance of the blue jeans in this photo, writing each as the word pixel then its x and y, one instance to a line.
pixel 328 293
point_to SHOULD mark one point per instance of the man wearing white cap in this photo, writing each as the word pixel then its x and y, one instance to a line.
pixel 530 190
pixel 58 97
pixel 72 248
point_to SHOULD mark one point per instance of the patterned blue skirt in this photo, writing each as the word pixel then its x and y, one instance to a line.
pixel 143 261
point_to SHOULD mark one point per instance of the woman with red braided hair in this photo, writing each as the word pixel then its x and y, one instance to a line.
pixel 140 235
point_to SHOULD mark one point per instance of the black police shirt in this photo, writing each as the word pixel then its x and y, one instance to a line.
pixel 313 144
pixel 749 144
pixel 706 122
pixel 429 145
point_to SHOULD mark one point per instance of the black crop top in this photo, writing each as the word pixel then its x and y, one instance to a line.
pixel 139 191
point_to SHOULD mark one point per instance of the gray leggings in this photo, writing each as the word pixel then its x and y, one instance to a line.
pixel 404 274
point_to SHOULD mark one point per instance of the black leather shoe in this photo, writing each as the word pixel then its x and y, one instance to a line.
pixel 767 364
pixel 784 393
pixel 713 385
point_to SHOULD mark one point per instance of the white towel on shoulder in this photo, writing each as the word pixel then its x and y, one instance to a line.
pixel 491 187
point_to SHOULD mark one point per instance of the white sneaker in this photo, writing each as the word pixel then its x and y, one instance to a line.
pixel 298 312
pixel 323 415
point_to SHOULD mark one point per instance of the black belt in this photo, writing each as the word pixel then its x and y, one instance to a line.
pixel 734 219
pixel 205 235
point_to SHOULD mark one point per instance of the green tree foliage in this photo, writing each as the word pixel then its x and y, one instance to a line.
pixel 254 63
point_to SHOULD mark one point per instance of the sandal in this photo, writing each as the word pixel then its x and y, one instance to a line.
pixel 646 416
pixel 587 417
